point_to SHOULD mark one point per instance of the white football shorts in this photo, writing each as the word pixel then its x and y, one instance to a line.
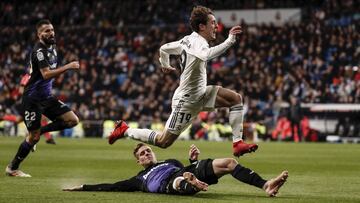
pixel 184 112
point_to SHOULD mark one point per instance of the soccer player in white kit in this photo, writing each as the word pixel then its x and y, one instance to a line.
pixel 193 95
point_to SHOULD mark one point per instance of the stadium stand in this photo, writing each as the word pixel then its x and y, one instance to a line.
pixel 315 60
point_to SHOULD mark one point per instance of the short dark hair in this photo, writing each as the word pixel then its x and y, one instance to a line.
pixel 42 22
pixel 199 15
pixel 138 146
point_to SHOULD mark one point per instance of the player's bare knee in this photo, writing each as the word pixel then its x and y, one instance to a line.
pixel 36 140
pixel 75 120
pixel 33 138
pixel 72 122
pixel 165 139
pixel 237 99
pixel 164 144
pixel 231 163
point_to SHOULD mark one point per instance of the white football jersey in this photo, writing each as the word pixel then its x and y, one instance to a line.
pixel 195 52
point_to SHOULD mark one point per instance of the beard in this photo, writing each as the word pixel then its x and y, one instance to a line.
pixel 49 41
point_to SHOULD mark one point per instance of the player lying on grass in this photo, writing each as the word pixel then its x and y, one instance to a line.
pixel 171 177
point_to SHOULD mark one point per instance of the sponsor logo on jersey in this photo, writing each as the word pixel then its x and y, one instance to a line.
pixel 151 170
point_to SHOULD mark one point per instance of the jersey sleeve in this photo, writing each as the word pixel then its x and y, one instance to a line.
pixel 205 53
pixel 172 48
pixel 130 185
pixel 40 59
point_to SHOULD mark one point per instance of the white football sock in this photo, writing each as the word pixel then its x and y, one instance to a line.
pixel 236 118
pixel 144 135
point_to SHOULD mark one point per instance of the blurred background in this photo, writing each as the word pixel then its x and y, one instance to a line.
pixel 296 65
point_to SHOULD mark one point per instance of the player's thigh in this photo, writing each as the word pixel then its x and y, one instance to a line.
pixel 32 113
pixel 182 114
pixel 227 98
pixel 166 138
pixel 69 116
pixel 223 166
pixel 54 108
pixel 204 171
pixel 208 102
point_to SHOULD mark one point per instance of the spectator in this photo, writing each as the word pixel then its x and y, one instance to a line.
pixel 317 60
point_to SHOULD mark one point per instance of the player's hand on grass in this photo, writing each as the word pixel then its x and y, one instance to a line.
pixel 194 153
pixel 75 188
pixel 167 69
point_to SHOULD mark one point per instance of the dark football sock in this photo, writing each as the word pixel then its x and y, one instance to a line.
pixel 248 176
pixel 54 126
pixel 21 154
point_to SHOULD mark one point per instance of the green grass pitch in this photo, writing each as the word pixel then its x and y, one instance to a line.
pixel 317 172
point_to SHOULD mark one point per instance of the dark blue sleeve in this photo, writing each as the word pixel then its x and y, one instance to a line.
pixel 130 185
pixel 40 58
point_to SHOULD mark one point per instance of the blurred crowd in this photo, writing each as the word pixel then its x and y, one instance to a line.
pixel 315 61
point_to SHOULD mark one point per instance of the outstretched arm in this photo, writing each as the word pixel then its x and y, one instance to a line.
pixel 213 52
pixel 47 73
pixel 130 185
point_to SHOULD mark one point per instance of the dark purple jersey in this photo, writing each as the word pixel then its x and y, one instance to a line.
pixel 40 57
pixel 157 178
pixel 153 179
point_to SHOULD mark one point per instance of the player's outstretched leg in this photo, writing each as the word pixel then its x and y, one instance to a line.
pixel 272 186
pixel 236 117
pixel 118 132
pixel 144 135
pixel 240 148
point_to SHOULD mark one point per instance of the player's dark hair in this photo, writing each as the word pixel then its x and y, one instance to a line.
pixel 42 22
pixel 138 146
pixel 199 15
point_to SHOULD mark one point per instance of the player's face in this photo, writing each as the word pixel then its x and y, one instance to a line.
pixel 46 34
pixel 146 156
pixel 211 28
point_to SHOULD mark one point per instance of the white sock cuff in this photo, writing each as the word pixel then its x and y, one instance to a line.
pixel 175 181
pixel 236 139
pixel 152 138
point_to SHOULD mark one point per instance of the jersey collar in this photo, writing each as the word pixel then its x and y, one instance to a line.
pixel 201 38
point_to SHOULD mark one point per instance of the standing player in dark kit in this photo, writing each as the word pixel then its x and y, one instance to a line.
pixel 37 99
pixel 18 118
